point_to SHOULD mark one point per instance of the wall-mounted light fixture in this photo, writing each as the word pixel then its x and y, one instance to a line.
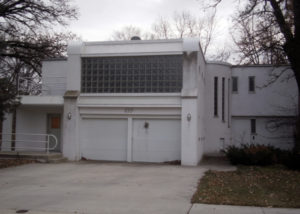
pixel 69 116
pixel 189 117
pixel 146 125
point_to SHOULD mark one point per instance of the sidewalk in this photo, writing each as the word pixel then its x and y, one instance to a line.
pixel 196 209
pixel 225 209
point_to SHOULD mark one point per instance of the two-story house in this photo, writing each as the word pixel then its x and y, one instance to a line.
pixel 152 101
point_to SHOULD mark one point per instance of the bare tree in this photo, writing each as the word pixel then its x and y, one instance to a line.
pixel 273 28
pixel 126 33
pixel 162 29
pixel 258 40
pixel 27 38
pixel 183 24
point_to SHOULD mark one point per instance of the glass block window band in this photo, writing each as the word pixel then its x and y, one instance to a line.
pixel 132 74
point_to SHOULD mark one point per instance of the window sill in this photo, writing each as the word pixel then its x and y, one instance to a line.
pixel 130 94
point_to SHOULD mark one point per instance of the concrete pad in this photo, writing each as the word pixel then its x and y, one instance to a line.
pixel 224 209
pixel 280 211
pixel 86 187
pixel 32 212
pixel 227 209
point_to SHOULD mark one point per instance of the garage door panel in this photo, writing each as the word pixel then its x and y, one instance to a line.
pixel 104 139
pixel 156 140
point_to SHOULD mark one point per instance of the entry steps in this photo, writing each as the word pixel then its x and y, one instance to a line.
pixel 42 157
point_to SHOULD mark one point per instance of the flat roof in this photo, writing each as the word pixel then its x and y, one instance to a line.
pixel 42 100
pixel 127 42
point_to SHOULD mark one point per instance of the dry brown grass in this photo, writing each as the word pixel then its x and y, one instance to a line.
pixel 250 186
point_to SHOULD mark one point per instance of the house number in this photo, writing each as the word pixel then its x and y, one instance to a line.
pixel 128 110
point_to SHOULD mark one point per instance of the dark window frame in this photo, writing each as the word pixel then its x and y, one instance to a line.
pixel 223 99
pixel 228 103
pixel 235 84
pixel 251 84
pixel 253 126
pixel 216 96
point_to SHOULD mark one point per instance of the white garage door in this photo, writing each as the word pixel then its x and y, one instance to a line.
pixel 156 140
pixel 104 139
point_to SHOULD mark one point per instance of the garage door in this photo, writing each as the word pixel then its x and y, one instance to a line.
pixel 104 139
pixel 156 140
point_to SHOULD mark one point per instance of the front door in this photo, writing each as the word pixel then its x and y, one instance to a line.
pixel 53 126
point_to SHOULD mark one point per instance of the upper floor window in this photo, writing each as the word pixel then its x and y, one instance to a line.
pixel 251 84
pixel 132 74
pixel 235 84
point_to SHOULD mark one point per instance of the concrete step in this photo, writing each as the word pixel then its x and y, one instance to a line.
pixel 57 160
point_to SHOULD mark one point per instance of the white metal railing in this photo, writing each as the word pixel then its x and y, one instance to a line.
pixel 47 86
pixel 25 138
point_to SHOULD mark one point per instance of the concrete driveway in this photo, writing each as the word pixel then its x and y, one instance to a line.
pixel 87 187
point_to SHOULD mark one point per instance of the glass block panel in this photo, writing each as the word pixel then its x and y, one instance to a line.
pixel 132 74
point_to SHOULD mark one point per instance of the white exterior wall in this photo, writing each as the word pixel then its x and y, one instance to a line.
pixel 54 77
pixel 278 137
pixel 279 98
pixel 267 106
pixel 218 134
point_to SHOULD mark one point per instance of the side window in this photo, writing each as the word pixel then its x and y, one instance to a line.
pixel 251 84
pixel 253 126
pixel 234 84
pixel 223 99
pixel 216 96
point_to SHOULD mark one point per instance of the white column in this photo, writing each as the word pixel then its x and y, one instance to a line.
pixel 129 140
pixel 189 132
pixel 71 120
pixel 191 152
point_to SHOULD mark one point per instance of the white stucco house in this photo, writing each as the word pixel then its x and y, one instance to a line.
pixel 153 101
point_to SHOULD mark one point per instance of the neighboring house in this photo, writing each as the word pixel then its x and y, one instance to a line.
pixel 154 101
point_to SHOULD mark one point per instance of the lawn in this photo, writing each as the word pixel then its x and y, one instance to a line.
pixel 4 163
pixel 273 186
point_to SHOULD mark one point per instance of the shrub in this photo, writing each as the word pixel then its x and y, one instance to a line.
pixel 262 155
pixel 292 161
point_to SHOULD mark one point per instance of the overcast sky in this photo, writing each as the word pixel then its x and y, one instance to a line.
pixel 98 19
